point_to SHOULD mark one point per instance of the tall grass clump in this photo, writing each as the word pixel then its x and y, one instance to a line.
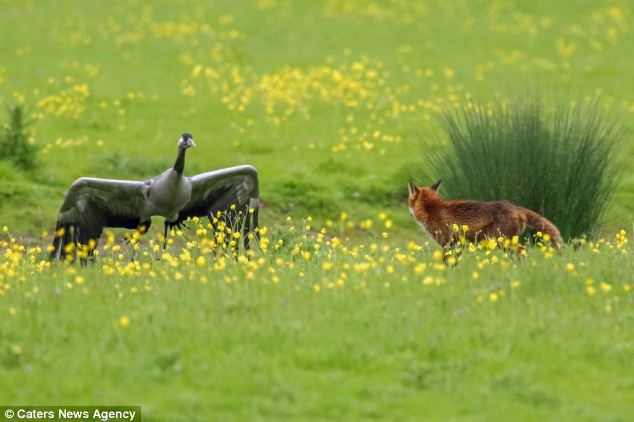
pixel 15 143
pixel 554 158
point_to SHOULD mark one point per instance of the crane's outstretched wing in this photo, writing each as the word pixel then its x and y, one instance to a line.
pixel 216 191
pixel 92 204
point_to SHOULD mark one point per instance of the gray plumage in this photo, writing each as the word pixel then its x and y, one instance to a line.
pixel 92 204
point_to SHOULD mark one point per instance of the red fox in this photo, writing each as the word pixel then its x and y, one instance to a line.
pixel 483 219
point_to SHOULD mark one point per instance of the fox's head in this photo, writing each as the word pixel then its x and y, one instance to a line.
pixel 421 195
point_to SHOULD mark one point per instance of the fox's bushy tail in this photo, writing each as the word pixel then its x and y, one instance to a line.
pixel 542 224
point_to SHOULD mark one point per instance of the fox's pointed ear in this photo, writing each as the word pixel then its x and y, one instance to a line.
pixel 411 187
pixel 435 185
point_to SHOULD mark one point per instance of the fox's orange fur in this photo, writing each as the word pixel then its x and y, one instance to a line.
pixel 484 219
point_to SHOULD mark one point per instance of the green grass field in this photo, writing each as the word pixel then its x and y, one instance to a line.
pixel 313 328
pixel 329 100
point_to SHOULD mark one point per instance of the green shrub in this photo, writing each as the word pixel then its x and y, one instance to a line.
pixel 15 145
pixel 556 159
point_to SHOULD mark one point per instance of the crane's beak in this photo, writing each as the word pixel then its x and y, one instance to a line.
pixel 193 143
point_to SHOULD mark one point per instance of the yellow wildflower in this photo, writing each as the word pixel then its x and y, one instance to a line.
pixel 123 321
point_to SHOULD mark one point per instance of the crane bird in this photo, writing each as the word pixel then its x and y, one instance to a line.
pixel 92 204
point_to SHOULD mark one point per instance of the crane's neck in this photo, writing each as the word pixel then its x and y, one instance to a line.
pixel 179 164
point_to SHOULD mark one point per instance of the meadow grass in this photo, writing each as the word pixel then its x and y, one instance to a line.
pixel 327 99
pixel 312 327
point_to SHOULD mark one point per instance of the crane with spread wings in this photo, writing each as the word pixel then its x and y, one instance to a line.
pixel 92 204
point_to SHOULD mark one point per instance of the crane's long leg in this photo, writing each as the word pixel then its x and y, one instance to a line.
pixel 256 223
pixel 246 229
pixel 165 236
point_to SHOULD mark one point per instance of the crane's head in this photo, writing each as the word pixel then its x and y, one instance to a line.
pixel 186 141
